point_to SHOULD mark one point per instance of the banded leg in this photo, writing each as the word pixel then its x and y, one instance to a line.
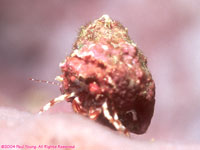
pixel 114 120
pixel 76 105
pixel 94 113
pixel 54 101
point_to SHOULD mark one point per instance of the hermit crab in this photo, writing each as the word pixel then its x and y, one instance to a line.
pixel 106 78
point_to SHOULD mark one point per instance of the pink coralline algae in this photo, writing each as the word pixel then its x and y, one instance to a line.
pixel 106 78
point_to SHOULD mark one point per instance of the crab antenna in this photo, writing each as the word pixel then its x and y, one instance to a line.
pixel 44 81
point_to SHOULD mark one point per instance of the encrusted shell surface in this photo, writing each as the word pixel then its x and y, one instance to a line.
pixel 106 65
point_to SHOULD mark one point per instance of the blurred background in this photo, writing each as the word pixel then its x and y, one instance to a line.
pixel 35 36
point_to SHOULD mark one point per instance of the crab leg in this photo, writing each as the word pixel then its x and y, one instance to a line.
pixel 76 105
pixel 114 120
pixel 94 113
pixel 56 100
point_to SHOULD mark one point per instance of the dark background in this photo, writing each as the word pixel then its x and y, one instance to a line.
pixel 36 35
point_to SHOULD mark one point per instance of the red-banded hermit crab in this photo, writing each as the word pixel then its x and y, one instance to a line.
pixel 106 78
